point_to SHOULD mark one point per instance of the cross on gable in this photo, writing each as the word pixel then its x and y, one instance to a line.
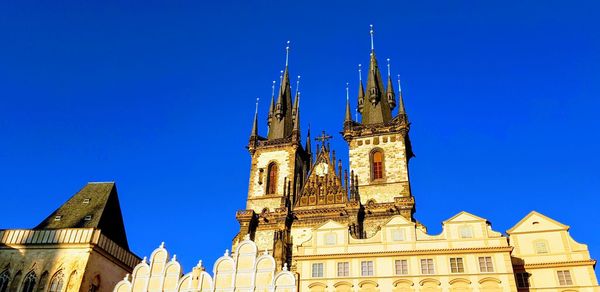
pixel 323 138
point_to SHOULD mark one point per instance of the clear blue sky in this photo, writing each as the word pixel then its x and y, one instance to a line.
pixel 159 97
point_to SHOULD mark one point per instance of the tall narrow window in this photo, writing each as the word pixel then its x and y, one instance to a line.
pixel 57 282
pixel 377 164
pixel 272 178
pixel 564 278
pixel 29 282
pixel 522 280
pixel 4 278
pixel 317 270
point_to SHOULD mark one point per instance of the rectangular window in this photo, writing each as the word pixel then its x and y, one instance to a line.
pixel 366 268
pixel 317 270
pixel 456 265
pixel 427 266
pixel 541 247
pixel 57 218
pixel 343 269
pixel 485 265
pixel 401 267
pixel 564 278
pixel 86 201
pixel 522 280
pixel 398 234
pixel 87 218
pixel 466 232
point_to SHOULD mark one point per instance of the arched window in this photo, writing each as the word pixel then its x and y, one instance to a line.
pixel 57 283
pixel 272 178
pixel 4 278
pixel 377 164
pixel 29 282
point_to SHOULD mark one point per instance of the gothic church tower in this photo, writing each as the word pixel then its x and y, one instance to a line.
pixel 279 167
pixel 380 149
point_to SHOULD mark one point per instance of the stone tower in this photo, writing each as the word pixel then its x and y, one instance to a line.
pixel 279 167
pixel 380 149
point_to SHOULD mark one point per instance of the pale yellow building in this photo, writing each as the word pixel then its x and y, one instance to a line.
pixel 82 246
pixel 355 230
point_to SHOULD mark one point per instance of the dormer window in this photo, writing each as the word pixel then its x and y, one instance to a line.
pixel 57 217
pixel 86 201
pixel 87 218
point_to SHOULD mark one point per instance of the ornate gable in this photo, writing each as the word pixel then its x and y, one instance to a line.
pixel 324 187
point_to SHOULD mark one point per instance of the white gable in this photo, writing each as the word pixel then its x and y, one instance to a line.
pixel 464 217
pixel 535 222
pixel 331 225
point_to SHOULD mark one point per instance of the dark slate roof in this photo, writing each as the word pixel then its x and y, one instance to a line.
pixel 98 200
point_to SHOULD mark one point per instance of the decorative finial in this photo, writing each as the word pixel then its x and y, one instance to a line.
pixel 399 88
pixel 281 77
pixel 356 113
pixel 287 53
pixel 360 72
pixel 226 252
pixel 174 258
pixel 247 236
pixel 273 88
pixel 347 92
pixel 199 265
pixel 126 278
pixel 266 252
pixel 298 85
pixel 256 107
pixel 162 245
pixel 145 260
pixel 372 32
pixel 285 267
pixel 388 61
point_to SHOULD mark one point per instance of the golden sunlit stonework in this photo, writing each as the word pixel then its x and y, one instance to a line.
pixel 323 228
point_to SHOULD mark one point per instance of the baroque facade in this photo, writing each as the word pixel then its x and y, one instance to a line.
pixel 340 230
pixel 81 246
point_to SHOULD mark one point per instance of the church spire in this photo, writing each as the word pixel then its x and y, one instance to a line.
pixel 348 111
pixel 308 146
pixel 281 126
pixel 391 98
pixel 376 110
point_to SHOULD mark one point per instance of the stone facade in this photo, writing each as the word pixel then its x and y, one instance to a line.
pixel 395 179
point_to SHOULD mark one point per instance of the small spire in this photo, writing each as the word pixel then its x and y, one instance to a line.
pixel 348 111
pixel 390 88
pixel 372 32
pixel 360 72
pixel 401 108
pixel 199 265
pixel 255 122
pixel 388 67
pixel 298 85
pixel 287 53
pixel 361 91
pixel 174 258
